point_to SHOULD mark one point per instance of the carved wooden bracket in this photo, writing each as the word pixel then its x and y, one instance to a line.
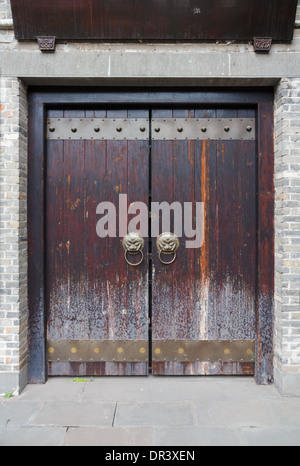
pixel 262 44
pixel 46 43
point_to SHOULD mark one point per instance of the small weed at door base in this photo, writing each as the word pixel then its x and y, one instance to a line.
pixel 78 380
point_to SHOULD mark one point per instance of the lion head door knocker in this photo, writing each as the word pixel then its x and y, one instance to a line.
pixel 167 243
pixel 133 244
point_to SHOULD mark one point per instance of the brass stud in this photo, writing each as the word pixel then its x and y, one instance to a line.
pixel 73 350
pixel 157 351
pixel 120 350
pixel 142 350
pixel 51 350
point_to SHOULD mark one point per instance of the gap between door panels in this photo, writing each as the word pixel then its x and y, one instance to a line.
pixel 150 271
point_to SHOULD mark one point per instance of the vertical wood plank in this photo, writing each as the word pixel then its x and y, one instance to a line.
pixel 36 290
pixel 265 281
pixel 247 230
pixel 206 267
pixel 96 257
pixel 163 322
pixel 55 248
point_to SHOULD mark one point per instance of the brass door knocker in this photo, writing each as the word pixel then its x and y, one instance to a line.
pixel 133 244
pixel 167 243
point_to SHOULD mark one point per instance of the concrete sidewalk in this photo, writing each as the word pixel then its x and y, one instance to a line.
pixel 150 412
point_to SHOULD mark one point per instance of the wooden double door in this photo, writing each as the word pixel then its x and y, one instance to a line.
pixel 194 315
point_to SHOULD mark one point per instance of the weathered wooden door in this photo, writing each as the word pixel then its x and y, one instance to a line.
pixel 97 305
pixel 201 305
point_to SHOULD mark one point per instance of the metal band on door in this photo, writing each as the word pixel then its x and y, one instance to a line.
pixel 228 129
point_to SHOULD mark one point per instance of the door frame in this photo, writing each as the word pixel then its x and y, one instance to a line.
pixel 40 99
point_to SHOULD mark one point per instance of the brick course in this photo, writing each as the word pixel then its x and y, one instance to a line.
pixel 13 230
pixel 287 226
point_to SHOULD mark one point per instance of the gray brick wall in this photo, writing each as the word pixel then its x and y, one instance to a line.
pixel 5 10
pixel 287 225
pixel 13 229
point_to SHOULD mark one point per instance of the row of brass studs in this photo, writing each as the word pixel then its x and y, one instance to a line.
pixel 97 129
pixel 203 129
pixel 211 129
pixel 163 351
pixel 119 129
pixel 163 129
pixel 181 352
pixel 97 351
pixel 204 351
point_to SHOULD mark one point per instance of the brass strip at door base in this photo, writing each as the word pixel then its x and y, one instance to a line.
pixel 203 351
pixel 97 351
pixel 138 351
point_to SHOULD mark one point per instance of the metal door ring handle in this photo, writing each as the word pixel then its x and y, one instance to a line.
pixel 133 244
pixel 138 263
pixel 167 243
pixel 167 263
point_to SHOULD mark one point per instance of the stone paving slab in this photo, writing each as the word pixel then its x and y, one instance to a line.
pixel 13 413
pixel 110 437
pixel 196 436
pixel 154 414
pixel 280 437
pixel 234 414
pixel 253 414
pixel 287 413
pixel 71 413
pixel 56 389
pixel 32 436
